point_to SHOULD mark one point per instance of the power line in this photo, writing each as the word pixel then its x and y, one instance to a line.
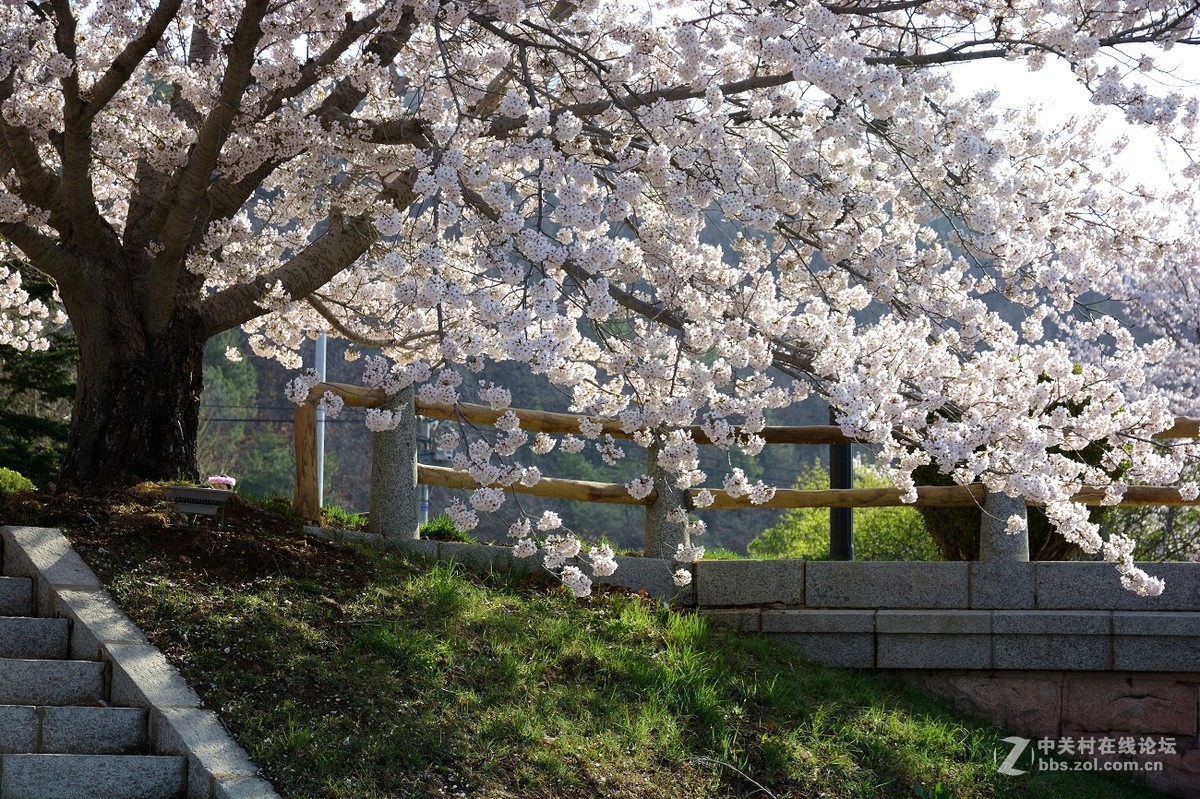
pixel 273 421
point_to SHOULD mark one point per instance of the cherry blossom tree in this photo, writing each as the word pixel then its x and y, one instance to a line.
pixel 687 212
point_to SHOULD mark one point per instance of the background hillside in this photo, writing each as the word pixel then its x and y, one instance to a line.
pixel 246 431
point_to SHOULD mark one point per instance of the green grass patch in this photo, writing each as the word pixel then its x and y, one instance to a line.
pixel 441 528
pixel 379 676
pixel 341 519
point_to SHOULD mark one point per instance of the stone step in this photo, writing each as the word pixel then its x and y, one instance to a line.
pixel 16 596
pixel 91 777
pixel 25 729
pixel 27 637
pixel 51 682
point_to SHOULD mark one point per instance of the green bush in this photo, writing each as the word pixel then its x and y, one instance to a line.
pixel 12 481
pixel 1162 532
pixel 441 528
pixel 879 533
pixel 955 531
pixel 341 519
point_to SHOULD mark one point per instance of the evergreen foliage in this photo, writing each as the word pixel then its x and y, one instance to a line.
pixel 13 481
pixel 879 533
pixel 36 391
pixel 235 437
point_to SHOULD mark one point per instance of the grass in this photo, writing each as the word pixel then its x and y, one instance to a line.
pixel 362 674
pixel 441 528
pixel 341 519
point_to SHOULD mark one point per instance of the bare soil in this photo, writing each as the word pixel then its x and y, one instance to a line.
pixel 131 525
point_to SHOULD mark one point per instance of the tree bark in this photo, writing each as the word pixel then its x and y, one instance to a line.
pixel 137 399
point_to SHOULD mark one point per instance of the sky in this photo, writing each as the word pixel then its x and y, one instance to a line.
pixel 1060 95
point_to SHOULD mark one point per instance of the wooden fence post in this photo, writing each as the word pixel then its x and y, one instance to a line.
pixel 305 502
pixel 394 493
pixel 995 543
pixel 663 536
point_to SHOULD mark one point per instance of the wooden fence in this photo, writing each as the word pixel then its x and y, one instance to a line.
pixel 306 504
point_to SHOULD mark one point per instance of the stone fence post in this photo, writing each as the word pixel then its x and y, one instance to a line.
pixel 994 542
pixel 663 536
pixel 394 510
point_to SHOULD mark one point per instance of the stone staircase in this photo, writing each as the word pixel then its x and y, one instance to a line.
pixel 59 736
pixel 89 709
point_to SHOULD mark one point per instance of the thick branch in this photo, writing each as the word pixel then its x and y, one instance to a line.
pixel 200 46
pixel 176 233
pixel 410 129
pixel 228 197
pixel 39 185
pixel 43 252
pixel 88 229
pixel 384 46
pixel 632 101
pixel 123 66
pixel 149 183
pixel 342 244
pixel 871 10
pixel 316 68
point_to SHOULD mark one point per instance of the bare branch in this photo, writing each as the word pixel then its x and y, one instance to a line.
pixel 124 65
pixel 193 182
pixel 363 341
pixel 786 358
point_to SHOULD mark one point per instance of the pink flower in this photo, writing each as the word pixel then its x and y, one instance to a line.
pixel 222 481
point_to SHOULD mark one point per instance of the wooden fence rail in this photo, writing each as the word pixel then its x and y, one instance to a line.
pixel 306 494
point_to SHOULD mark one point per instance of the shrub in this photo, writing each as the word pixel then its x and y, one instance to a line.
pixel 879 533
pixel 441 528
pixel 12 481
pixel 341 519
pixel 1162 532
pixel 955 531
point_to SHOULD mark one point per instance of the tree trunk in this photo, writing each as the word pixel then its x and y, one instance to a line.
pixel 137 398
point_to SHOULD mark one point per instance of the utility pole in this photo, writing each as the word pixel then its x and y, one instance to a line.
pixel 321 425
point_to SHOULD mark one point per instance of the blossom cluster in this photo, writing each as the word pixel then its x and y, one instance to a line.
pixel 682 220
pixel 22 320
pixel 299 387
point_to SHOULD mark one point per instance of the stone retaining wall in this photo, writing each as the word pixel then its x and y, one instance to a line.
pixel 1075 707
pixel 961 615
pixel 1057 652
